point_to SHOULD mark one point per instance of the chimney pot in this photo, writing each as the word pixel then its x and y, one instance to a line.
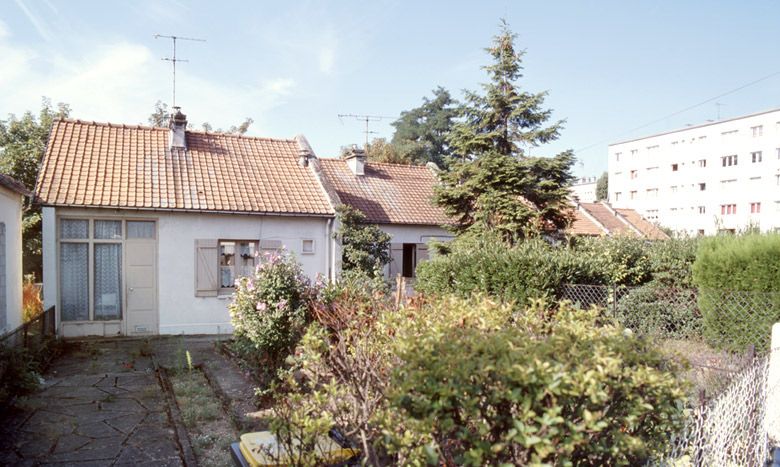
pixel 356 160
pixel 178 129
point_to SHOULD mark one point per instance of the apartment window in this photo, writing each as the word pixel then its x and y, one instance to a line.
pixel 729 134
pixel 673 188
pixel 777 180
pixel 728 184
pixel 700 232
pixel 702 210
pixel 617 156
pixel 652 214
pixel 702 138
pixel 728 209
pixel 728 161
pixel 702 162
pixel 617 195
pixel 755 208
pixel 652 192
pixel 652 148
pixel 618 173
pixel 702 186
pixel 634 174
pixel 757 131
pixel 777 206
pixel 674 143
pixel 632 194
pixel 755 156
pixel 236 259
pixel 675 167
pixel 634 152
pixel 778 153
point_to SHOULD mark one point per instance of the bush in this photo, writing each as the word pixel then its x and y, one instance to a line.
pixel 726 269
pixel 472 381
pixel 623 260
pixel 671 262
pixel 529 270
pixel 652 310
pixel 365 247
pixel 269 311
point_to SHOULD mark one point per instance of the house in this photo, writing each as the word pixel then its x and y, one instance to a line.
pixel 397 198
pixel 12 194
pixel 597 219
pixel 145 229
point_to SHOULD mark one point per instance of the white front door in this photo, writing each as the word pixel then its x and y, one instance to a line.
pixel 141 267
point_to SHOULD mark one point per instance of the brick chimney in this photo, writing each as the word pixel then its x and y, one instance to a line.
pixel 356 160
pixel 178 128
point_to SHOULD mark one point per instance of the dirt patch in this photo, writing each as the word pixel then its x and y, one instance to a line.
pixel 209 427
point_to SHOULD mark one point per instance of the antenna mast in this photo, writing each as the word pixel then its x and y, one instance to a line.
pixel 173 58
pixel 367 119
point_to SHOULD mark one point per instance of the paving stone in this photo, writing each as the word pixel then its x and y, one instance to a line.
pixel 125 423
pixel 71 442
pixel 97 430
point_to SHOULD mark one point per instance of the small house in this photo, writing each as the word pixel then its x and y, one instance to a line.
pixel 12 195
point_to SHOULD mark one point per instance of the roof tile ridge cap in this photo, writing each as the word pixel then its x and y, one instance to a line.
pixel 331 196
pixel 581 208
pixel 623 219
pixel 109 124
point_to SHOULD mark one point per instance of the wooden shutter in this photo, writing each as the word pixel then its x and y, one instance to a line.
pixel 396 259
pixel 206 268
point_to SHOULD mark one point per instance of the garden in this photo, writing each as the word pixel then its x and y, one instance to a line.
pixel 489 363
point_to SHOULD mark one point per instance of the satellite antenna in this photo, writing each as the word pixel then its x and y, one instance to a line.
pixel 367 119
pixel 173 58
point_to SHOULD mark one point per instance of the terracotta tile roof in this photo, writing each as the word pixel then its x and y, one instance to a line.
pixel 582 225
pixel 14 185
pixel 107 165
pixel 387 193
pixel 605 217
pixel 649 230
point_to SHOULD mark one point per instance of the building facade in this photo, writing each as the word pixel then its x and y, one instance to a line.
pixel 584 189
pixel 701 180
pixel 12 194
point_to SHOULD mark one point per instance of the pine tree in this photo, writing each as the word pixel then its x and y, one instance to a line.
pixel 492 183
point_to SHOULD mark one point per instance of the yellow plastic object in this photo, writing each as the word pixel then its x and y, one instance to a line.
pixel 261 449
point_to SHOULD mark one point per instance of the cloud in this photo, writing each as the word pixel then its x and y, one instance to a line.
pixel 38 23
pixel 120 82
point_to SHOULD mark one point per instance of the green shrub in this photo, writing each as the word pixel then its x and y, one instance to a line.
pixel 529 270
pixel 623 260
pixel 652 310
pixel 269 311
pixel 671 262
pixel 365 247
pixel 20 369
pixel 739 289
pixel 476 382
pixel 541 388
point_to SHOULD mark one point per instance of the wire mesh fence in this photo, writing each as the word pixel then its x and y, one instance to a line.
pixel 731 429
pixel 729 320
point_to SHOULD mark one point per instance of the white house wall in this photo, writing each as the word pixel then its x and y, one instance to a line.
pixel 673 198
pixel 11 216
pixel 180 311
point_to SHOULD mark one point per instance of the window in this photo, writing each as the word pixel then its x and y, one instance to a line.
pixel 650 169
pixel 634 152
pixel 618 173
pixel 702 186
pixel 777 180
pixel 675 167
pixel 90 272
pixel 755 208
pixel 728 209
pixel 777 206
pixel 652 214
pixel 307 247
pixel 236 259
pixel 652 148
pixel 652 192
pixel 702 210
pixel 728 161
pixel 728 184
pixel 634 174
pixel 140 229
pixel 702 162
pixel 702 138
pixel 755 156
pixel 778 153
pixel 700 232
pixel 757 131
pixel 617 195
pixel 632 195
pixel 673 188
pixel 729 134
pixel 617 156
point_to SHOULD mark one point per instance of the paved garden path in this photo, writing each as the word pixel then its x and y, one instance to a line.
pixel 101 404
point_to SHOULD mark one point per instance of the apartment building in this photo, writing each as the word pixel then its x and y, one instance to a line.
pixel 718 176
pixel 584 189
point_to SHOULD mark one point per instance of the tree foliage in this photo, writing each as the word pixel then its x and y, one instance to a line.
pixel 422 134
pixel 380 150
pixel 365 247
pixel 22 144
pixel 492 184
pixel 602 187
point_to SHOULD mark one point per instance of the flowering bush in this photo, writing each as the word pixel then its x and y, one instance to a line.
pixel 269 312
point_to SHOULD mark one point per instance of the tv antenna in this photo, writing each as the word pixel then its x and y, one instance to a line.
pixel 718 105
pixel 173 58
pixel 367 119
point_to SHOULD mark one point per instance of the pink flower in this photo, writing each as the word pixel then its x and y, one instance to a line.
pixel 261 306
pixel 282 303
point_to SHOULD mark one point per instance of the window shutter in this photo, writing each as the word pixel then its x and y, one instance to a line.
pixel 396 259
pixel 206 268
pixel 422 253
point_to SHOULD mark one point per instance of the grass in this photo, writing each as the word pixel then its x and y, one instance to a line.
pixel 208 425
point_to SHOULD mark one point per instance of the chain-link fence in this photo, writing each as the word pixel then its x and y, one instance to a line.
pixel 731 429
pixel 727 320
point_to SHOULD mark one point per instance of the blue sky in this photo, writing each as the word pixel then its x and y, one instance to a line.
pixel 293 66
